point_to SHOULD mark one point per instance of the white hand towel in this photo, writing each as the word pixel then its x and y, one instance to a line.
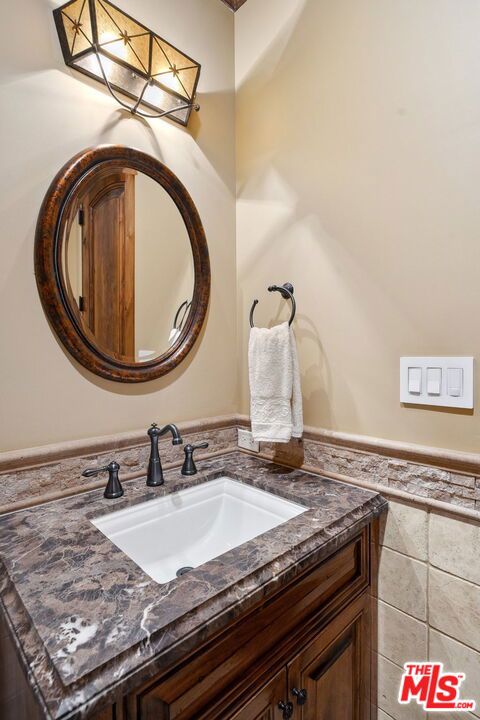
pixel 275 391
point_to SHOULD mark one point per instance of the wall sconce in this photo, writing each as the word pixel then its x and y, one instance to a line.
pixel 101 41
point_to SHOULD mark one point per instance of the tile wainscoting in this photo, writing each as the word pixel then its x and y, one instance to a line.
pixel 430 477
pixel 41 474
pixel 428 602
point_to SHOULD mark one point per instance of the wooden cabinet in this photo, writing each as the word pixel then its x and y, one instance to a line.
pixel 265 704
pixel 313 636
pixel 16 698
pixel 330 679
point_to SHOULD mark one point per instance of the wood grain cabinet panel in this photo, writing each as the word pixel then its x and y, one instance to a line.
pixel 16 697
pixel 327 680
pixel 332 675
pixel 265 704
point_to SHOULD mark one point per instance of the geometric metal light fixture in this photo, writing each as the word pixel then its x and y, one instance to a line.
pixel 101 41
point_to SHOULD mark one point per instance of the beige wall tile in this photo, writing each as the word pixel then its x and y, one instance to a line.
pixel 388 685
pixel 454 606
pixel 404 528
pixel 383 716
pixel 458 658
pixel 400 637
pixel 402 582
pixel 454 546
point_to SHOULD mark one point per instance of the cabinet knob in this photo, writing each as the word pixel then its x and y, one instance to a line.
pixel 287 709
pixel 301 696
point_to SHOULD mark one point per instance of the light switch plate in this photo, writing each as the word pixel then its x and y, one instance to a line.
pixel 246 441
pixel 454 375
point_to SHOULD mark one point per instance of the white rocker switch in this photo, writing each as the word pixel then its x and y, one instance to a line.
pixel 434 381
pixel 437 381
pixel 415 380
pixel 455 382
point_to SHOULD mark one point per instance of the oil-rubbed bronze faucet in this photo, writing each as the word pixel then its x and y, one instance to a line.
pixel 155 472
pixel 189 467
pixel 114 488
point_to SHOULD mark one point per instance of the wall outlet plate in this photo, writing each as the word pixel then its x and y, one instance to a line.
pixel 246 441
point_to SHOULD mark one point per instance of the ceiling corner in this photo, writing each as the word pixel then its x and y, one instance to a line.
pixel 234 4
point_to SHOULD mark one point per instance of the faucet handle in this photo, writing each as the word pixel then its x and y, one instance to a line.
pixel 153 430
pixel 189 467
pixel 200 446
pixel 91 472
pixel 114 488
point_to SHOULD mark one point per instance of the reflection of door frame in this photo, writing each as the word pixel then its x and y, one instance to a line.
pixel 122 182
pixel 68 239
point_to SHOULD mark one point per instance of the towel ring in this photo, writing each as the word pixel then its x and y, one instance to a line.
pixel 286 291
pixel 178 325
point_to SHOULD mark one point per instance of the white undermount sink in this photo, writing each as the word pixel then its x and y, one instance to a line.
pixel 185 529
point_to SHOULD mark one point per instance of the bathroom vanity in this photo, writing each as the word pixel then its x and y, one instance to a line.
pixel 278 626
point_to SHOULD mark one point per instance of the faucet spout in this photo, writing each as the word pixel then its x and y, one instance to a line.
pixel 155 471
pixel 176 437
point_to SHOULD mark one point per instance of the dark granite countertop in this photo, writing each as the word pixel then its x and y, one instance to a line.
pixel 87 620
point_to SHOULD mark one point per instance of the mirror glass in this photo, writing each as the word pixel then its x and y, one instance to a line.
pixel 127 264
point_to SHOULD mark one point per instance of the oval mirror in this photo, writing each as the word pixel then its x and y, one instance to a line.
pixel 122 264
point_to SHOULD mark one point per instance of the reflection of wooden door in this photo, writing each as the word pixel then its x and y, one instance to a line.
pixel 108 262
pixel 333 670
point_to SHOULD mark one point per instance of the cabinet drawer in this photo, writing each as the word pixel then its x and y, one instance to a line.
pixel 251 648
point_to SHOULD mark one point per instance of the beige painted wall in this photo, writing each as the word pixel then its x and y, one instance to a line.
pixel 362 191
pixel 48 114
pixel 358 170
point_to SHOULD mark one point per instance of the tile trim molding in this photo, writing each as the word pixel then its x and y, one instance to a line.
pixel 15 460
pixel 37 475
pixel 438 479
pixel 423 503
pixel 450 460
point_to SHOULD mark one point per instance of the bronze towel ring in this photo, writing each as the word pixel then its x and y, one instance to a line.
pixel 286 291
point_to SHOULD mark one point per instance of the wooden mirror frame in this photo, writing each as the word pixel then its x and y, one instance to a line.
pixel 49 238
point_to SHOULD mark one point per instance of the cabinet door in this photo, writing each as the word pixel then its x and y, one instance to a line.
pixel 330 679
pixel 265 704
